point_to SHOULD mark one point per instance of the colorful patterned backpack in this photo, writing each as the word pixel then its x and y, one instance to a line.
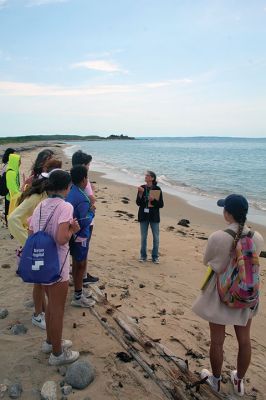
pixel 238 284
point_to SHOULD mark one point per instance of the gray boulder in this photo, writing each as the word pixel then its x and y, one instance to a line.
pixel 80 374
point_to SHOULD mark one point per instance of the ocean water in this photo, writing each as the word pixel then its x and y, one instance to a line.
pixel 200 170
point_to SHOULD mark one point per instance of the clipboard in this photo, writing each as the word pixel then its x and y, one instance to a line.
pixel 155 194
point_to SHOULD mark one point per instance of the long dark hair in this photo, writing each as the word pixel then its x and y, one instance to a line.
pixel 41 158
pixel 6 154
pixel 241 220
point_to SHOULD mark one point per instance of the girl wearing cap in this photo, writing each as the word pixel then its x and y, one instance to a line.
pixel 209 306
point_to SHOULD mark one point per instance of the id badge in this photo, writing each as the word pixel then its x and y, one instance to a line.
pixel 146 210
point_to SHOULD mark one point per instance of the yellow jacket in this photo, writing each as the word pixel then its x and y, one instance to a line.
pixel 18 219
pixel 12 175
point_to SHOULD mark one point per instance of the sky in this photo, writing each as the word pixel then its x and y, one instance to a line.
pixel 133 67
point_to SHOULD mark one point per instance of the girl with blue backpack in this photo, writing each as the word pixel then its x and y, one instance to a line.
pixel 55 216
pixel 230 296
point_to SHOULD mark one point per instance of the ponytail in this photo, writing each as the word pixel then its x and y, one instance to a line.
pixel 239 232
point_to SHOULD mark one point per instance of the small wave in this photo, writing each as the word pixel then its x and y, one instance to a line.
pixel 258 205
pixel 69 150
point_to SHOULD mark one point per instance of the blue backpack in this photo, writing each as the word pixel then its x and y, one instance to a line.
pixel 39 261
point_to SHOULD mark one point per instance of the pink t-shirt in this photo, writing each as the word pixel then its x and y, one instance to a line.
pixel 63 213
pixel 88 189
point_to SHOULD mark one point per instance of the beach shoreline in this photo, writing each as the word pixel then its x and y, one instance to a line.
pixel 159 297
pixel 192 196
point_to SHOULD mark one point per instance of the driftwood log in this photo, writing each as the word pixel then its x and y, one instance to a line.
pixel 173 377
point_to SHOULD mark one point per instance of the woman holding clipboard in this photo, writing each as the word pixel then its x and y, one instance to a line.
pixel 150 200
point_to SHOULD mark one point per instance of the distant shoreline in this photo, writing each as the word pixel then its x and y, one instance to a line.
pixel 63 138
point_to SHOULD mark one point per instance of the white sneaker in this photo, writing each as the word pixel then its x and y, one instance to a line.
pixel 48 348
pixel 142 260
pixel 68 356
pixel 237 383
pixel 214 383
pixel 39 320
pixel 155 261
pixel 83 302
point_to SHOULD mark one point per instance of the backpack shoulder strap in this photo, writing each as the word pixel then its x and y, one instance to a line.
pixel 231 233
pixel 250 234
pixel 49 218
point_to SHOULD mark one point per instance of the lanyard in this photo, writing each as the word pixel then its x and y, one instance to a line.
pixel 84 193
pixel 147 193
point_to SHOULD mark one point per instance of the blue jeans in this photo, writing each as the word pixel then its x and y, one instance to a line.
pixel 144 234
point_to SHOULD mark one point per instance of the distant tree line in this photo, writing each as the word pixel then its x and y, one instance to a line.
pixel 37 138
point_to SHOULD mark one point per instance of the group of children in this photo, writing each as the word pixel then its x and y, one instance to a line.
pixel 63 204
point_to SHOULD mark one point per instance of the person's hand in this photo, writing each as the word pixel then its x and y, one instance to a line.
pixel 93 208
pixel 140 190
pixel 151 198
pixel 92 199
pixel 74 225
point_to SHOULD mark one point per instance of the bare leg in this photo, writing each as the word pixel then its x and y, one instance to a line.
pixel 244 348
pixel 38 296
pixel 57 294
pixel 78 270
pixel 216 350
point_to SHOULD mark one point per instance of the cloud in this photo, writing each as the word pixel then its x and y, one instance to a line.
pixel 33 3
pixel 10 88
pixel 99 65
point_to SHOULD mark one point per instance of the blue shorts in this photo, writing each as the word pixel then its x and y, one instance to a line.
pixel 79 250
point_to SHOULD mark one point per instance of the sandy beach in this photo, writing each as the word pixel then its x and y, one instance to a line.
pixel 158 297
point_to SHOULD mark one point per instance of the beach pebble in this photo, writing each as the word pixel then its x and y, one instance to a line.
pixel 184 222
pixel 48 391
pixel 80 374
pixel 66 390
pixel 15 390
pixel 19 329
pixel 3 388
pixel 3 313
pixel 141 285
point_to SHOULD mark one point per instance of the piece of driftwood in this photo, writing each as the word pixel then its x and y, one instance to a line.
pixel 137 357
pixel 178 383
pixel 132 332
